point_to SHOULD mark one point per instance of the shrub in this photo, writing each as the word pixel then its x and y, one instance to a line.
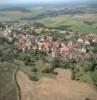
pixel 94 77
pixel 34 78
pixel 73 76
pixel 87 65
pixel 89 22
pixel 69 65
pixel 48 70
pixel 45 60
pixel 29 62
pixel 34 69
pixel 38 25
pixel 55 73
pixel 57 62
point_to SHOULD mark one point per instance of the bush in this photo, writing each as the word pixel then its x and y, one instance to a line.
pixel 45 60
pixel 38 25
pixel 87 65
pixel 94 77
pixel 27 59
pixel 89 22
pixel 48 70
pixel 34 78
pixel 69 65
pixel 34 69
pixel 73 77
pixel 55 73
pixel 29 63
pixel 63 27
pixel 7 56
pixel 57 62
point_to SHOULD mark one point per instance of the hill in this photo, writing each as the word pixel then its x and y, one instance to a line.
pixel 20 9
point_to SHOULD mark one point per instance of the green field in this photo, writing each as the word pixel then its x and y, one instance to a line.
pixel 75 21
pixel 8 89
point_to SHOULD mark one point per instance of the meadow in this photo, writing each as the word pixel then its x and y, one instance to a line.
pixel 76 22
pixel 8 87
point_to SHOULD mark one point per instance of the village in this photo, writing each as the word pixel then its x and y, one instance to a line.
pixel 48 50
pixel 68 50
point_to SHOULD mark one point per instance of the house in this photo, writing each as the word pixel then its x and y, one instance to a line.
pixel 89 39
pixel 76 56
pixel 49 38
pixel 70 44
pixel 21 42
pixel 10 39
pixel 64 50
pixel 83 50
pixel 87 42
pixel 80 40
pixel 46 47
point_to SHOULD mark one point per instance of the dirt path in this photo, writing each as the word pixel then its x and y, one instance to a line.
pixel 61 88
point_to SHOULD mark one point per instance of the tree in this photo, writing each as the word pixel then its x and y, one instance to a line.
pixel 34 69
pixel 34 78
pixel 38 25
pixel 42 31
pixel 94 77
pixel 86 64
pixel 73 76
pixel 48 70
pixel 56 62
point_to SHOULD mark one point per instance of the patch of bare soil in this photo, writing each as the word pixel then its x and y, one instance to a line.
pixel 60 88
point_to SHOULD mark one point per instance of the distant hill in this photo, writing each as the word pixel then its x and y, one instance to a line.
pixel 69 9
pixel 21 9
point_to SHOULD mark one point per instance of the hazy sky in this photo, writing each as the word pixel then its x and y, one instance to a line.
pixel 38 1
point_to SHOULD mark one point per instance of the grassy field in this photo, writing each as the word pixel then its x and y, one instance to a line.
pixel 8 90
pixel 75 21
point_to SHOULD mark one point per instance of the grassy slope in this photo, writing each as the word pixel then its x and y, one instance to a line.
pixel 39 64
pixel 75 21
pixel 7 84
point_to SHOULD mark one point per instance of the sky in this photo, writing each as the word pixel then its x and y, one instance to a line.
pixel 39 1
pixel 29 1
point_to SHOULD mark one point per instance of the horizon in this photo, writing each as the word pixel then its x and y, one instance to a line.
pixel 43 3
pixel 4 2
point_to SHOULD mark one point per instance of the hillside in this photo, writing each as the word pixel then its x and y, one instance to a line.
pixel 20 9
pixel 79 23
pixel 67 9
